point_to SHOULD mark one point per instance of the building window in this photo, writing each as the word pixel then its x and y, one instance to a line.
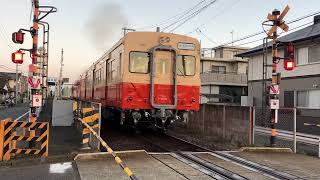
pixel 218 69
pixel 308 99
pixel 288 98
pixel 314 54
pixel 139 62
pixel 302 55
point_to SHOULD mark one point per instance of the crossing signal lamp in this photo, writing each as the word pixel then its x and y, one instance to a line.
pixel 289 62
pixel 18 37
pixel 17 57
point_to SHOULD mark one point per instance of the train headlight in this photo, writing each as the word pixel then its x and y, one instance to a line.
pixel 129 99
pixel 193 100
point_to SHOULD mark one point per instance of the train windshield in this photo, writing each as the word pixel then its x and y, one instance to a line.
pixel 186 65
pixel 139 62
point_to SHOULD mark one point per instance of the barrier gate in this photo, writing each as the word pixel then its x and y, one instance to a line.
pixel 35 133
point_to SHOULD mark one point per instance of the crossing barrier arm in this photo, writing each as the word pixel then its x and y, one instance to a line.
pixel 125 168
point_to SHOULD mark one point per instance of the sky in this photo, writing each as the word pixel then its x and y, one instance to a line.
pixel 85 29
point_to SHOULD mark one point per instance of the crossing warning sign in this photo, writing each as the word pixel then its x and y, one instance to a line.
pixel 34 83
pixel 274 89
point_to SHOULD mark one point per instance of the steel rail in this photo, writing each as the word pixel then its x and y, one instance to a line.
pixel 207 168
pixel 261 168
pixel 273 173
pixel 215 169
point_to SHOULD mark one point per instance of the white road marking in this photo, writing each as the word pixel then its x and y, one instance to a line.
pixel 21 116
pixel 60 168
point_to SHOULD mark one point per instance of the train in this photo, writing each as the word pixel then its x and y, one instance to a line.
pixel 146 78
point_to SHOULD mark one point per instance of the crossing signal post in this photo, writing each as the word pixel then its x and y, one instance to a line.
pixel 275 20
pixel 39 13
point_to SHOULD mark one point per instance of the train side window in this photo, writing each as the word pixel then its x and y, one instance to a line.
pixel 186 65
pixel 139 62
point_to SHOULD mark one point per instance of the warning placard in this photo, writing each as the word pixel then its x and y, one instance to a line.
pixel 274 104
pixel 274 89
pixel 36 100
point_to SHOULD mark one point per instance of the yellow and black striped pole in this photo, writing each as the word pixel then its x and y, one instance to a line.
pixel 125 168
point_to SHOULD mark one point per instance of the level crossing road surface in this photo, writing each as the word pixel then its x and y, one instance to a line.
pixel 172 166
pixel 14 112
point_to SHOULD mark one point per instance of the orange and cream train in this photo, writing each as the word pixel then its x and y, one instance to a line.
pixel 145 78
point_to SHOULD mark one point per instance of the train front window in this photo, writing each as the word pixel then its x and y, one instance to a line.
pixel 139 62
pixel 186 65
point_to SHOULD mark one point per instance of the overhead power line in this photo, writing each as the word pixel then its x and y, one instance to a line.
pixel 285 33
pixel 3 33
pixel 203 34
pixel 222 10
pixel 173 18
pixel 192 15
pixel 261 32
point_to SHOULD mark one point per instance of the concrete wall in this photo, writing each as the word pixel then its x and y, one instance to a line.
pixel 230 124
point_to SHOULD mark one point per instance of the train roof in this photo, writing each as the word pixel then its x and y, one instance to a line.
pixel 119 42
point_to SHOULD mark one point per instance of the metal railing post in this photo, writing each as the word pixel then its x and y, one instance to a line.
pixel 224 123
pixel 295 130
pixel 253 124
pixel 319 148
pixel 99 124
pixel 203 116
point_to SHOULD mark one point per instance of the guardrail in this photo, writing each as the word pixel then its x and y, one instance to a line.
pixel 9 137
pixel 289 135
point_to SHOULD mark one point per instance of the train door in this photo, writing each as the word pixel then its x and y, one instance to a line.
pixel 163 78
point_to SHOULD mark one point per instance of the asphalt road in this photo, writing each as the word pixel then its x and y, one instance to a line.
pixel 56 171
pixel 13 112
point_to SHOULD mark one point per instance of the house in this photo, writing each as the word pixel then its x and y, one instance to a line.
pixel 223 76
pixel 299 87
pixel 8 86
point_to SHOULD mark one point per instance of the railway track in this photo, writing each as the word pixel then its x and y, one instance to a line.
pixel 187 153
pixel 208 168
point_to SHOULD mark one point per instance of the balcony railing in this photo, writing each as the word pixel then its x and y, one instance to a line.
pixel 231 79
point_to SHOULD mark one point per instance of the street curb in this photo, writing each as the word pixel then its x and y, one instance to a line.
pixel 265 150
pixel 102 155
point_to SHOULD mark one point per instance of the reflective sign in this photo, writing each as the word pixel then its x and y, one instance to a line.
pixel 274 103
pixel 36 100
pixel 274 89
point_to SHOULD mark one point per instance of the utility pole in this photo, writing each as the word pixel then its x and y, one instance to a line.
pixel 276 19
pixel 232 37
pixel 60 76
pixel 35 29
pixel 125 30
pixel 17 89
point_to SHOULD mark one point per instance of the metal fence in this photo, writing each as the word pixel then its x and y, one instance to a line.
pixel 292 129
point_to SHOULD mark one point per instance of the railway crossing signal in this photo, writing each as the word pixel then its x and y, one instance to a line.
pixel 39 13
pixel 288 60
pixel 18 37
pixel 276 20
pixel 17 57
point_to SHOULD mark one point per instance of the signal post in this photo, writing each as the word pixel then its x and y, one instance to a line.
pixel 17 57
pixel 276 19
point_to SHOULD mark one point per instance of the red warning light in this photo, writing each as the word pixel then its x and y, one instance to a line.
pixel 17 57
